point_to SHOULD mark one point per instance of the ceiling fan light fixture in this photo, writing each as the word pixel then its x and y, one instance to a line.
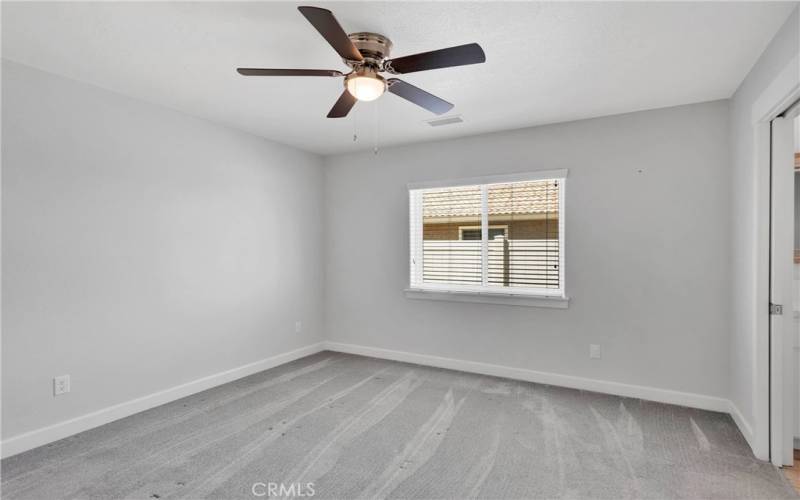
pixel 367 54
pixel 365 86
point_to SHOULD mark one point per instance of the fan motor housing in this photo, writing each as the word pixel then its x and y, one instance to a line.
pixel 374 47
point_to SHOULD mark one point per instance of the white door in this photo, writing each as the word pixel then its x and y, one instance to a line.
pixel 781 277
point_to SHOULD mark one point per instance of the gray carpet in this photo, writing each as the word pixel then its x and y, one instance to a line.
pixel 358 427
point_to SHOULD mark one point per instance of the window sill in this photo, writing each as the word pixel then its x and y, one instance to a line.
pixel 488 298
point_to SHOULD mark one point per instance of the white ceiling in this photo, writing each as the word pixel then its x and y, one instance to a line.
pixel 546 62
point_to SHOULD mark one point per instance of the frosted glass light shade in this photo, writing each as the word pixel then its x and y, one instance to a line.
pixel 366 88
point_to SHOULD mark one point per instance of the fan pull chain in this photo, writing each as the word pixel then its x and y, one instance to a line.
pixel 377 122
pixel 355 134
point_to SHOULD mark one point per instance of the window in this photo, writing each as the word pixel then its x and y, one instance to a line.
pixel 474 232
pixel 502 235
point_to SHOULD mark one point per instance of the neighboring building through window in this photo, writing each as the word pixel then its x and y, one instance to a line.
pixel 504 237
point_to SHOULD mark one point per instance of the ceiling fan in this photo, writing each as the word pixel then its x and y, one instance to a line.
pixel 367 54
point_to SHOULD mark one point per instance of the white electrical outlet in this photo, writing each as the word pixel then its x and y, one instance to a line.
pixel 594 351
pixel 60 385
pixel 298 326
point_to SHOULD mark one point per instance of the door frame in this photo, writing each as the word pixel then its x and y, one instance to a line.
pixel 778 97
pixel 782 337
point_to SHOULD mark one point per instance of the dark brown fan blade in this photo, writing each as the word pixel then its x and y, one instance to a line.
pixel 343 105
pixel 472 53
pixel 331 31
pixel 288 72
pixel 418 96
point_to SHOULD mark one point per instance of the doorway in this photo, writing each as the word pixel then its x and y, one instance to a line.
pixel 784 335
pixel 793 473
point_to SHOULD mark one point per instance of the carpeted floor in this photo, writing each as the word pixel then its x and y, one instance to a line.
pixel 356 427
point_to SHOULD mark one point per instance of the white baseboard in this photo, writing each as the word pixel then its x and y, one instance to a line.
pixel 689 399
pixel 744 426
pixel 39 437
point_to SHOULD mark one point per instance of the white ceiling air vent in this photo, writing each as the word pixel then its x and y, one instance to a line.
pixel 447 120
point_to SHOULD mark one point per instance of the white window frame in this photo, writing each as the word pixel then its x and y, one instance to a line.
pixel 469 293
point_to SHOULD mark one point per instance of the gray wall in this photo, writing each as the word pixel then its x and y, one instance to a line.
pixel 647 242
pixel 744 233
pixel 143 248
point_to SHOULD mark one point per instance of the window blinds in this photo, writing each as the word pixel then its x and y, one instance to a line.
pixel 447 257
pixel 520 243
